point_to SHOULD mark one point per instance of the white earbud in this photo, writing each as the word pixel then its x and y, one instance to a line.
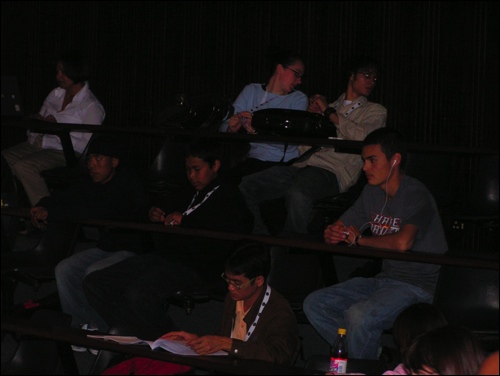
pixel 394 163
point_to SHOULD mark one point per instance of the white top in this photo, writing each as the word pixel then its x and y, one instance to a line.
pixel 84 109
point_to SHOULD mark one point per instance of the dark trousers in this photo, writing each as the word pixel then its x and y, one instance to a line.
pixel 133 292
pixel 247 167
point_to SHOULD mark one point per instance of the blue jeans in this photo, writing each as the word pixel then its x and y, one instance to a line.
pixel 301 188
pixel 135 291
pixel 365 307
pixel 70 273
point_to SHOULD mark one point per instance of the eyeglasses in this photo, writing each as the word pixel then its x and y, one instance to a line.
pixel 369 76
pixel 297 73
pixel 232 283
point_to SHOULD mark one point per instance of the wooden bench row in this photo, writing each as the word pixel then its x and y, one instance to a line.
pixel 222 364
pixel 304 242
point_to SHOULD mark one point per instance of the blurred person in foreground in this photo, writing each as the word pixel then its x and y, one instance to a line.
pixel 447 350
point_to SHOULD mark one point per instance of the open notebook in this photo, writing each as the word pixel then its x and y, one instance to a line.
pixel 175 347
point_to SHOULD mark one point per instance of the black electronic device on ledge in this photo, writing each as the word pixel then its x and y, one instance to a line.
pixel 285 122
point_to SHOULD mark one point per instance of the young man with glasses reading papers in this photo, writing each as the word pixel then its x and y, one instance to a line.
pixel 257 322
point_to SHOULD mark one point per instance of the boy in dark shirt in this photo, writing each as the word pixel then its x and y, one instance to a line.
pixel 106 192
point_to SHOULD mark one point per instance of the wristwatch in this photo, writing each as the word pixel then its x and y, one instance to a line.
pixel 329 111
pixel 356 239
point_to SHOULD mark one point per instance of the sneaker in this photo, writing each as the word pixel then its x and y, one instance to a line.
pixel 78 348
pixel 92 327
pixel 94 351
pixel 84 349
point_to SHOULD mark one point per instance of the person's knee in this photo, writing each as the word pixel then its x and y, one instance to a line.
pixel 296 196
pixel 250 195
pixel 63 268
pixel 246 190
pixel 91 283
pixel 357 315
pixel 310 303
pixel 17 168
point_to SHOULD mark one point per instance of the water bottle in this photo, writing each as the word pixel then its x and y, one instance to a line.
pixel 338 356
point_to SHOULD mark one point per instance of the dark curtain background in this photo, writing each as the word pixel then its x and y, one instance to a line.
pixel 440 58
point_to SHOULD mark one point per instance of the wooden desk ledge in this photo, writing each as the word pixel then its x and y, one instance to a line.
pixel 219 364
pixel 171 129
pixel 287 240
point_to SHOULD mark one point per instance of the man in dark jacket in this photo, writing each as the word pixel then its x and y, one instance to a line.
pixel 257 321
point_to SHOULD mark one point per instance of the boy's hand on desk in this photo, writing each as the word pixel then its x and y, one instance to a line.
pixel 335 234
pixel 210 344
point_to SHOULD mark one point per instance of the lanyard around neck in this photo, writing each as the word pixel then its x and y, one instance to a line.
pixel 262 306
pixel 336 105
pixel 192 209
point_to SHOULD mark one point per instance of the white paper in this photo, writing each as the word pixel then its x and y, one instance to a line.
pixel 175 347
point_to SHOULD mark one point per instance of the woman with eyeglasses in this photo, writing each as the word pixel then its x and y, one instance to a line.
pixel 287 70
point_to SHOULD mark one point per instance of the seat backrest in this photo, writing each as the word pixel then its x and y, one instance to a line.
pixel 172 112
pixel 483 199
pixel 469 297
pixel 57 242
pixel 60 178
pixel 37 356
pixel 221 110
pixel 167 173
pixel 436 171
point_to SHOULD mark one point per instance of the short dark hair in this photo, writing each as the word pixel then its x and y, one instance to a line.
pixel 106 145
pixel 205 148
pixel 360 64
pixel 447 350
pixel 415 320
pixel 391 141
pixel 249 259
pixel 74 66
